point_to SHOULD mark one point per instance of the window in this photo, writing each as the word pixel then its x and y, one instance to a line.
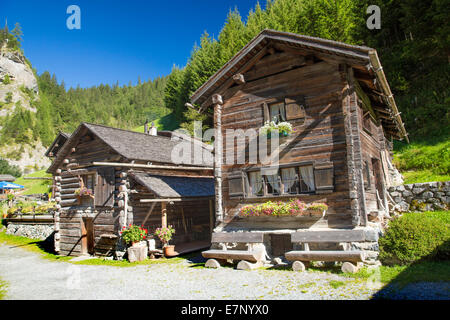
pixel 366 175
pixel 367 123
pixel 256 183
pixel 277 112
pixel 307 183
pixel 292 180
pixel 87 181
pixel 288 109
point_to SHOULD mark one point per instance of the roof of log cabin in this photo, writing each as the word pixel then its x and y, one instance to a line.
pixel 56 145
pixel 7 178
pixel 130 145
pixel 364 61
pixel 176 187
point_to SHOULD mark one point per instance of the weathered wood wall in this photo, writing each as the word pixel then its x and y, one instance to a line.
pixel 320 138
pixel 191 219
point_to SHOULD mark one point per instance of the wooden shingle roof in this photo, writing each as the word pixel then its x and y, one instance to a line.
pixel 130 145
pixel 363 59
pixel 176 187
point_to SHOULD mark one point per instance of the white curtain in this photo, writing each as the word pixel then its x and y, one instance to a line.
pixel 307 175
pixel 255 182
pixel 273 181
pixel 275 112
pixel 282 112
pixel 288 177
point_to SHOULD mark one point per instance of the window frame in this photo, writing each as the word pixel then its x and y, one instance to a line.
pixel 266 185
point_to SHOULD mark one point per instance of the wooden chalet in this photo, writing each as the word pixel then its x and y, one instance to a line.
pixel 133 180
pixel 337 99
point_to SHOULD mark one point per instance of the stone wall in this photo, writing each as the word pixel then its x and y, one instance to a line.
pixel 34 231
pixel 427 196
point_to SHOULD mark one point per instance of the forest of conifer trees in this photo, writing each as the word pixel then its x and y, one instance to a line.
pixel 413 45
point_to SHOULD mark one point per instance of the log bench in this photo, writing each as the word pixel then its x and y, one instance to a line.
pixel 249 259
pixel 351 258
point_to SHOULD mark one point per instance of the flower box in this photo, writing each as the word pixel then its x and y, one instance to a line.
pixel 294 209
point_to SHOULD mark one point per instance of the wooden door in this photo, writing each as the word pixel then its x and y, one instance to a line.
pixel 280 243
pixel 87 236
pixel 376 167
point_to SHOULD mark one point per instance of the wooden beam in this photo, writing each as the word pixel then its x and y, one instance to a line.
pixel 149 166
pixel 174 199
pixel 163 215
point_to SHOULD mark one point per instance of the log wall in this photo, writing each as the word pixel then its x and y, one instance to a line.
pixel 320 138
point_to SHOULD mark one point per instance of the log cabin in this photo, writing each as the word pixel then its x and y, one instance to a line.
pixel 131 179
pixel 344 116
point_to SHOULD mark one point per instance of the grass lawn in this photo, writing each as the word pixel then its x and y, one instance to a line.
pixel 3 286
pixel 40 247
pixel 35 186
pixel 430 271
pixel 425 161
pixel 423 176
pixel 167 122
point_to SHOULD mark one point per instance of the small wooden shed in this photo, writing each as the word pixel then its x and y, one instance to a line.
pixel 132 180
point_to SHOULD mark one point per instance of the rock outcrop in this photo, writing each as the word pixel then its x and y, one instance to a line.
pixel 19 87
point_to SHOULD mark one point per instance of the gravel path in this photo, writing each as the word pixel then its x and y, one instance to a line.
pixel 31 277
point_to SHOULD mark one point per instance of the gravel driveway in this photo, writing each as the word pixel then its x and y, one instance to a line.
pixel 31 277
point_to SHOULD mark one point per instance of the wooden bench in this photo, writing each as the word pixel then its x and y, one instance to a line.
pixel 349 257
pixel 249 259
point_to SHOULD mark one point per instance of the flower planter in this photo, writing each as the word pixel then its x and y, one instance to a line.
pixel 287 218
pixel 312 213
pixel 169 250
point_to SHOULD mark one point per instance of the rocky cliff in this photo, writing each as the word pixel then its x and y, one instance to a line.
pixel 18 89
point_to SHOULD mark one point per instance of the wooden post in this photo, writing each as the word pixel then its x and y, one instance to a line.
pixel 163 215
pixel 218 154
pixel 211 217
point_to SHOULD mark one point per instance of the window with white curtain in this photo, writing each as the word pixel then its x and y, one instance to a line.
pixel 256 183
pixel 290 180
pixel 277 112
pixel 306 179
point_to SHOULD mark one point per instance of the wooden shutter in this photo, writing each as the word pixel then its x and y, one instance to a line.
pixel 236 184
pixel 266 112
pixel 104 187
pixel 295 108
pixel 324 177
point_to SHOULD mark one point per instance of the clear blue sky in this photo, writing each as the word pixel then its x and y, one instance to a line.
pixel 118 40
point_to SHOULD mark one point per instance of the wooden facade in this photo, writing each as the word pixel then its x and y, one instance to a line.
pixel 339 103
pixel 103 160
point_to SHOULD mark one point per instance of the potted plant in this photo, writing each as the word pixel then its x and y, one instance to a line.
pixel 84 192
pixel 165 234
pixel 284 129
pixel 133 234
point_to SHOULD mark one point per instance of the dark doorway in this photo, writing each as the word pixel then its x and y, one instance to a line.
pixel 87 236
pixel 376 167
pixel 280 243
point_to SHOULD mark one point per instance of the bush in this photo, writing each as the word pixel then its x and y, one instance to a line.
pixel 416 236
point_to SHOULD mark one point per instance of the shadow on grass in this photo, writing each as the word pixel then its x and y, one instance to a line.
pixel 426 279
